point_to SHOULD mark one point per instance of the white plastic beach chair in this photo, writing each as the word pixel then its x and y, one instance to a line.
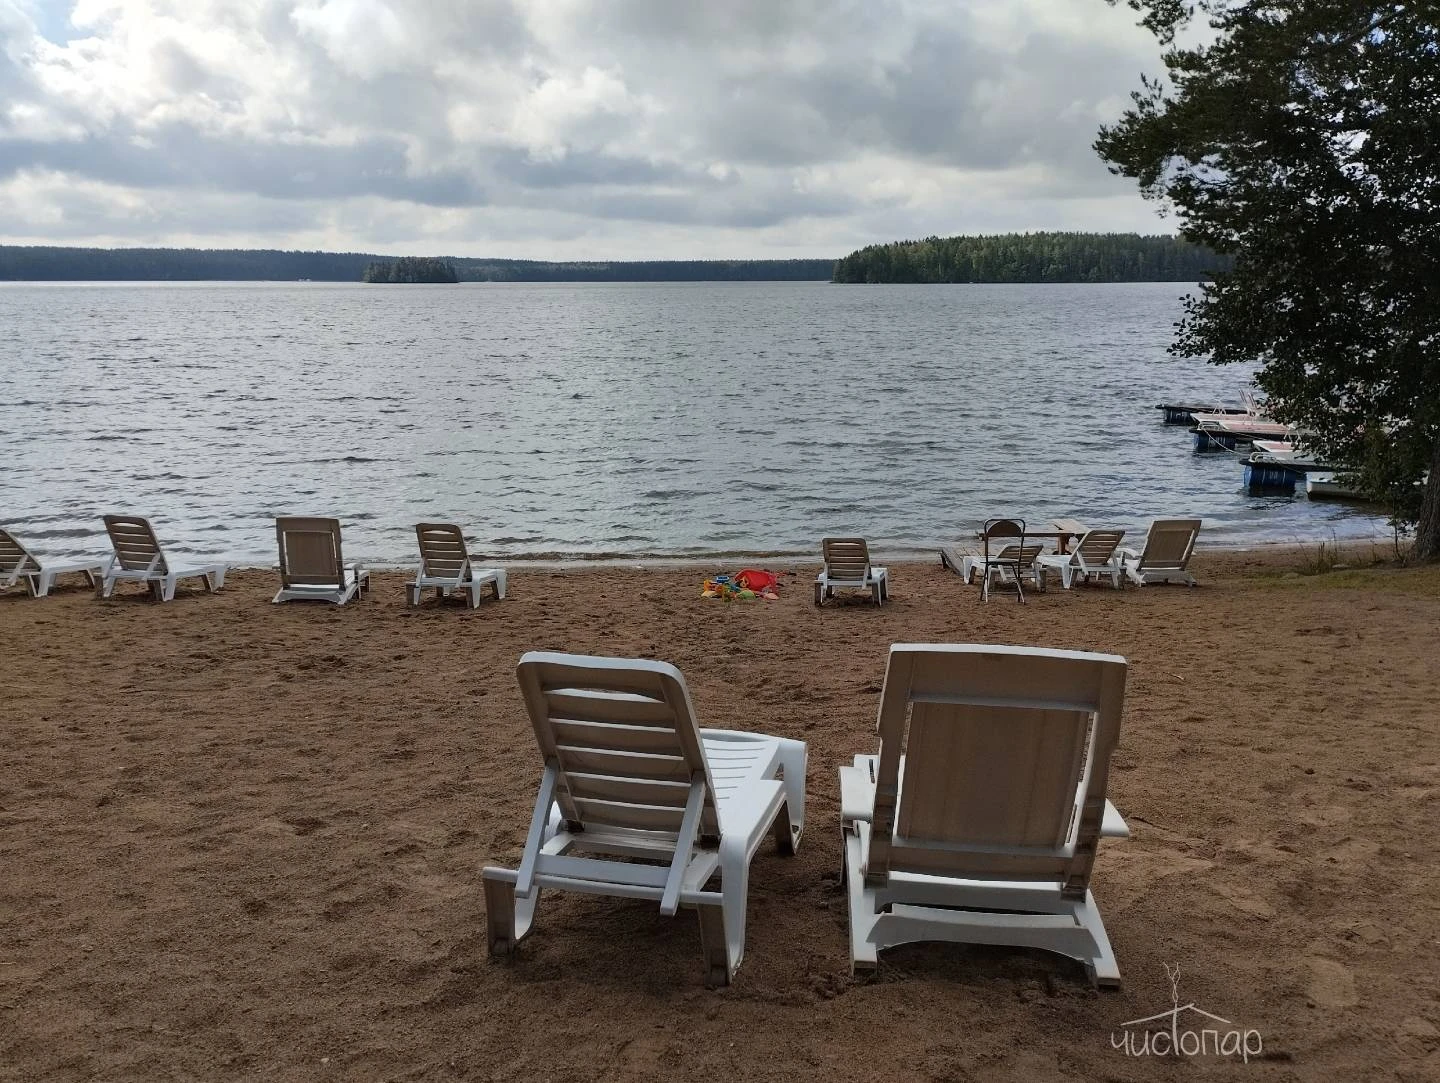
pixel 629 778
pixel 445 565
pixel 978 820
pixel 19 565
pixel 138 556
pixel 312 565
pixel 1094 555
pixel 1166 554
pixel 847 566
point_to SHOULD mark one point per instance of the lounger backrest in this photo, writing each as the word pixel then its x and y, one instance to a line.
pixel 622 735
pixel 15 559
pixel 1002 534
pixel 135 544
pixel 442 550
pixel 1098 546
pixel 846 558
pixel 1169 544
pixel 1023 555
pixel 310 552
pixel 994 761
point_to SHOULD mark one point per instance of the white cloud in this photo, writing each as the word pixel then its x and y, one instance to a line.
pixel 562 128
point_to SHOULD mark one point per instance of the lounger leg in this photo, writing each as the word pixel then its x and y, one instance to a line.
pixel 864 957
pixel 40 585
pixel 500 585
pixel 792 757
pixel 734 889
pixel 500 917
pixel 712 944
pixel 508 919
pixel 784 831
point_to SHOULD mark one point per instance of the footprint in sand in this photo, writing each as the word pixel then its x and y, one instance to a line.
pixel 1330 984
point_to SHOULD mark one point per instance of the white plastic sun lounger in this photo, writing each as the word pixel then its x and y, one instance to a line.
pixel 445 565
pixel 1094 555
pixel 19 565
pixel 138 557
pixel 848 567
pixel 1166 556
pixel 628 775
pixel 978 820
pixel 312 566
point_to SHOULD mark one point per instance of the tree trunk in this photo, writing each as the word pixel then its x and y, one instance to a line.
pixel 1427 530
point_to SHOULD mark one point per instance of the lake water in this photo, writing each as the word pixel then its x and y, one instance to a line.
pixel 564 421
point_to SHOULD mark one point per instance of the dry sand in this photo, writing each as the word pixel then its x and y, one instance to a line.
pixel 243 841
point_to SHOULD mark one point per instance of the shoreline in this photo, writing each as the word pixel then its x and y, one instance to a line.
pixel 648 562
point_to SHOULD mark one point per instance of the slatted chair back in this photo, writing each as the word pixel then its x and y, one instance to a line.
pixel 1097 547
pixel 310 553
pixel 1169 544
pixel 136 547
pixel 994 762
pixel 846 559
pixel 15 559
pixel 1021 556
pixel 442 551
pixel 621 736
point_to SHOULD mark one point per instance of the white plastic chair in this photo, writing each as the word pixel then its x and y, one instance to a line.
pixel 445 565
pixel 138 557
pixel 312 563
pixel 19 565
pixel 977 821
pixel 1094 555
pixel 628 775
pixel 1166 555
pixel 848 567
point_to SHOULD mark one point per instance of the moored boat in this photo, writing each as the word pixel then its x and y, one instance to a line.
pixel 1324 486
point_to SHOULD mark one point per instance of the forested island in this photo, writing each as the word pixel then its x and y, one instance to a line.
pixel 1032 257
pixel 33 263
pixel 410 269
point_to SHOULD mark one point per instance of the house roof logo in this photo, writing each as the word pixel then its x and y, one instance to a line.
pixel 1185 1030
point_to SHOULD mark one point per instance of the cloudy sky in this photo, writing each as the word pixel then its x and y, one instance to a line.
pixel 560 129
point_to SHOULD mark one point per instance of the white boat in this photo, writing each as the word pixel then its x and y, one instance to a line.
pixel 1323 486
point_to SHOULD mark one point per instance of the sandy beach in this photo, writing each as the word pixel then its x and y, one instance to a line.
pixel 243 841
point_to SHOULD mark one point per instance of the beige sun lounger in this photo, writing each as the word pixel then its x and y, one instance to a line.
pixel 848 567
pixel 138 557
pixel 445 565
pixel 657 806
pixel 312 566
pixel 1095 555
pixel 978 820
pixel 19 565
pixel 1166 555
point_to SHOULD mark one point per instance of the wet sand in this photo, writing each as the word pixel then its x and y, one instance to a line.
pixel 243 841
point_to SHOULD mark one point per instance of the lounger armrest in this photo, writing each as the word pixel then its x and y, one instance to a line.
pixel 857 795
pixel 1126 553
pixel 1112 824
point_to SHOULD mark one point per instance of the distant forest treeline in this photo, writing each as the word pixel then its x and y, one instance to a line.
pixel 1014 257
pixel 40 264
pixel 1032 257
